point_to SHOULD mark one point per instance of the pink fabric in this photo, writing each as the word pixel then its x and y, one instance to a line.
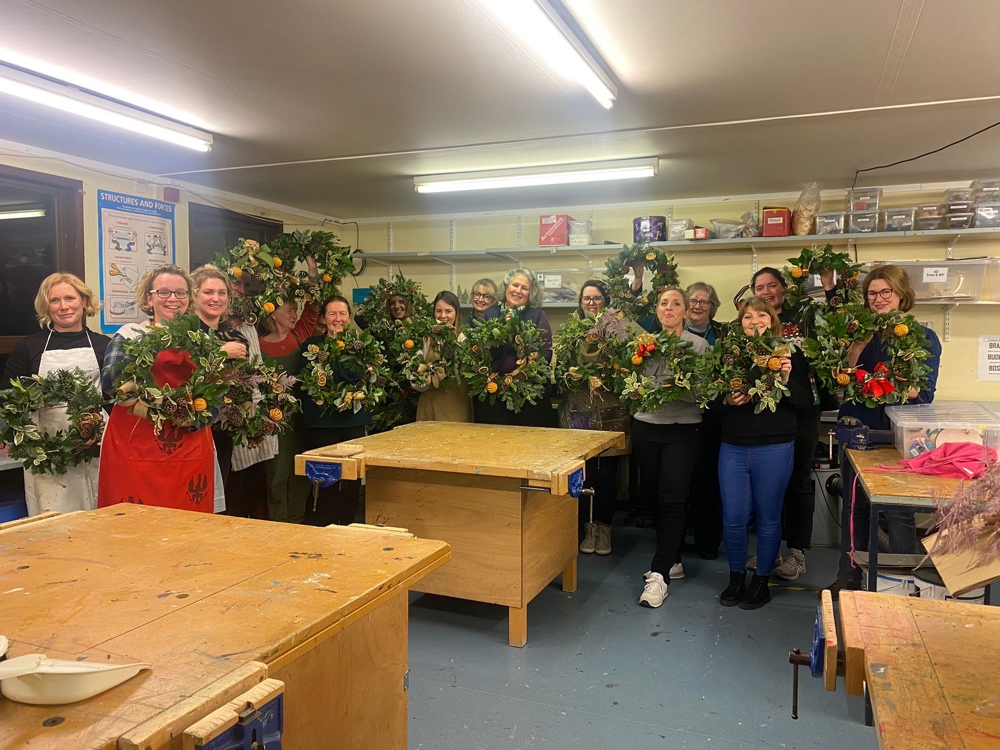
pixel 955 460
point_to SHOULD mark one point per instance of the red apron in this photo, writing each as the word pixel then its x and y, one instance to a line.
pixel 172 470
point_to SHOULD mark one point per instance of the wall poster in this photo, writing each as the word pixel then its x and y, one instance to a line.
pixel 136 233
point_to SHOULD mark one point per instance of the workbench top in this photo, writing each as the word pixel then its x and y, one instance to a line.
pixel 898 487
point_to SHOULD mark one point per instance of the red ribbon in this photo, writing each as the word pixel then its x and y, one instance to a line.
pixel 875 383
pixel 643 349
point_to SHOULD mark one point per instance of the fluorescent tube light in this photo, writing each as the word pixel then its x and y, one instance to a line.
pixel 32 213
pixel 66 98
pixel 549 38
pixel 562 174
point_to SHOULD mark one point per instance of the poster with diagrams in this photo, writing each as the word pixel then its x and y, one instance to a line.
pixel 136 234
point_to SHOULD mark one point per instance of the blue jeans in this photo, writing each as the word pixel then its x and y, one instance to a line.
pixel 753 479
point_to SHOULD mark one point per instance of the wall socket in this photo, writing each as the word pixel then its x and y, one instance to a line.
pixel 142 187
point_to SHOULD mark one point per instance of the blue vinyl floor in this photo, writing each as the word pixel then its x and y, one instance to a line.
pixel 600 672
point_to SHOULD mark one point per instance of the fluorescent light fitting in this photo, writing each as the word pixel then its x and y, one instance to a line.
pixel 563 174
pixel 33 213
pixel 66 98
pixel 548 37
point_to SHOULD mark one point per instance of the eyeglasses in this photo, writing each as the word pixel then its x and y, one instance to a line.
pixel 482 296
pixel 588 300
pixel 165 293
pixel 883 293
pixel 699 303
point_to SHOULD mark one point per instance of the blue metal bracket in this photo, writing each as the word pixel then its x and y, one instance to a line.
pixel 576 483
pixel 322 473
pixel 816 651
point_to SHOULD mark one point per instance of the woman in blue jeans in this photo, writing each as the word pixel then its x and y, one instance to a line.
pixel 755 463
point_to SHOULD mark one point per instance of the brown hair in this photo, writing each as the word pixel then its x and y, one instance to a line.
pixel 209 271
pixel 664 290
pixel 145 285
pixel 90 305
pixel 760 305
pixel 897 279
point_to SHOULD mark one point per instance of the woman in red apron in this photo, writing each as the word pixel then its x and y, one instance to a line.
pixel 174 468
pixel 62 302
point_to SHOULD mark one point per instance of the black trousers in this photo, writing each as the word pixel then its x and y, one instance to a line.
pixel 602 477
pixel 704 498
pixel 540 414
pixel 666 454
pixel 337 504
pixel 800 497
pixel 246 492
pixel 224 450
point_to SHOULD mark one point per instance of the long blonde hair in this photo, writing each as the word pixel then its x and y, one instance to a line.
pixel 90 304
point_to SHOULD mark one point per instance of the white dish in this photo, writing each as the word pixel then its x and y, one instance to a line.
pixel 40 681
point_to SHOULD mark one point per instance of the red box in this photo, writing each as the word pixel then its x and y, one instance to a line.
pixel 776 222
pixel 554 229
pixel 698 233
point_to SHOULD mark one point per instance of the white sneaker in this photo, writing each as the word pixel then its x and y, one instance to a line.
pixel 676 571
pixel 589 537
pixel 752 562
pixel 655 591
pixel 793 566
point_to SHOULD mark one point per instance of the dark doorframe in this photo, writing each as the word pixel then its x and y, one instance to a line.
pixel 213 230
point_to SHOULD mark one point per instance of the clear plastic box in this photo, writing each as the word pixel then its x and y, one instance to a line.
pixel 958 221
pixel 830 223
pixel 946 280
pixel 986 191
pixel 863 199
pixel 958 194
pixel 987 215
pixel 930 209
pixel 958 207
pixel 925 223
pixel 579 233
pixel 898 219
pixel 676 228
pixel 862 222
pixel 919 428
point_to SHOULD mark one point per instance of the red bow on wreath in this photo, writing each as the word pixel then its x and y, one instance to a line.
pixel 875 383
pixel 643 349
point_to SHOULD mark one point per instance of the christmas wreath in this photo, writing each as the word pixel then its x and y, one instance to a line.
pixel 174 373
pixel 887 383
pixel 416 369
pixel 259 402
pixel 52 453
pixel 527 381
pixel 816 260
pixel 346 372
pixel 745 364
pixel 645 393
pixel 664 273
pixel 273 270
pixel 587 350
pixel 374 309
pixel 333 261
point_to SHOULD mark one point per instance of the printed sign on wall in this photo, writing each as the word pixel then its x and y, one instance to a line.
pixel 136 234
pixel 989 358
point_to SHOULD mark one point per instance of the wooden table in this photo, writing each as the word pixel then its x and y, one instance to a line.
pixel 500 496
pixel 930 667
pixel 215 604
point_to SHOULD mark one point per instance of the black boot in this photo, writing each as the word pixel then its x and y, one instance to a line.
pixel 757 594
pixel 735 590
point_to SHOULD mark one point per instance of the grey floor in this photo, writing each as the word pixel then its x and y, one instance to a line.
pixel 600 672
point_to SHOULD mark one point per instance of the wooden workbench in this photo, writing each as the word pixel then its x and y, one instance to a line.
pixel 215 604
pixel 930 666
pixel 499 495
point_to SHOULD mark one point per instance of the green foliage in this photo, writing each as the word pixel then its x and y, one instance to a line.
pixel 346 372
pixel 660 264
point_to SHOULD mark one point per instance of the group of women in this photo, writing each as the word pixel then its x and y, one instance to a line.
pixel 727 455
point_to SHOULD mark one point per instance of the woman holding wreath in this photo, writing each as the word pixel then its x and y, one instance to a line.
pixel 172 468
pixel 519 291
pixel 64 343
pixel 324 425
pixel 482 297
pixel 665 444
pixel 447 401
pixel 886 289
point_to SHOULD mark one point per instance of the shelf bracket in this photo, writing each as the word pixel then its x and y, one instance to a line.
pixel 520 230
pixel 590 261
pixel 512 259
pixel 388 230
pixel 451 235
pixel 947 322
pixel 753 251
pixel 950 254
pixel 670 213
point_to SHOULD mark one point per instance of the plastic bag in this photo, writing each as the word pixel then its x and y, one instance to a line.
pixel 806 208
pixel 745 226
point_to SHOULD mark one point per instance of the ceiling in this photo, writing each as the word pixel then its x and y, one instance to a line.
pixel 376 92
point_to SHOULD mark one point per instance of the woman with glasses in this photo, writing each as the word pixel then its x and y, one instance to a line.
pixel 448 401
pixel 703 303
pixel 596 409
pixel 62 303
pixel 886 289
pixel 175 467
pixel 483 297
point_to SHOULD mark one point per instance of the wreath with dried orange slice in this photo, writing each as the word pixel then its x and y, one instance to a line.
pixel 345 372
pixel 739 363
pixel 639 305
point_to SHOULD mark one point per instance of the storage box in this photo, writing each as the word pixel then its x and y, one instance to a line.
pixel 926 223
pixel 863 199
pixel 922 427
pixel 554 229
pixel 930 209
pixel 698 233
pixel 579 233
pixel 987 215
pixel 958 194
pixel 958 207
pixel 830 223
pixel 946 280
pixel 862 222
pixel 649 229
pixel 776 222
pixel 986 191
pixel 958 221
pixel 898 219
pixel 676 229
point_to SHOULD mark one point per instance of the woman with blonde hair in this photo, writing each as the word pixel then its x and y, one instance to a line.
pixel 64 343
pixel 482 297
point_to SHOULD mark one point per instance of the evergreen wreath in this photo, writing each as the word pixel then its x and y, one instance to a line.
pixel 527 381
pixel 837 329
pixel 52 453
pixel 587 350
pixel 259 403
pixel 333 261
pixel 373 310
pixel 815 260
pixel 444 348
pixel 645 393
pixel 739 363
pixel 273 268
pixel 332 363
pixel 659 263
pixel 192 402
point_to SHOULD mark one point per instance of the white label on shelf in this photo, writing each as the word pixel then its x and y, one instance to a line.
pixel 989 358
pixel 552 281
pixel 936 275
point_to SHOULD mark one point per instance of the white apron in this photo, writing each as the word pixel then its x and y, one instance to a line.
pixel 77 488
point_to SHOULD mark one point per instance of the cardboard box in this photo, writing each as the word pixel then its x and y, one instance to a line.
pixel 777 222
pixel 698 233
pixel 554 229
